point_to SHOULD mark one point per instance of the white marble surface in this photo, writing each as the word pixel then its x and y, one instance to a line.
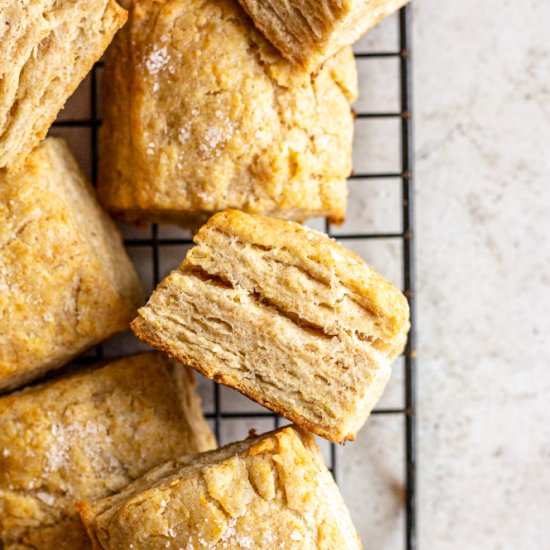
pixel 482 78
pixel 482 116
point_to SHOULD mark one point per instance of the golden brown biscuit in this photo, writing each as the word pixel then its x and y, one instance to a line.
pixel 272 491
pixel 308 32
pixel 203 114
pixel 46 49
pixel 66 282
pixel 284 315
pixel 87 436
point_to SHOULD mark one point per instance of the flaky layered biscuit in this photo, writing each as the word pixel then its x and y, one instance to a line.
pixel 66 282
pixel 203 114
pixel 87 436
pixel 286 316
pixel 308 32
pixel 46 49
pixel 272 491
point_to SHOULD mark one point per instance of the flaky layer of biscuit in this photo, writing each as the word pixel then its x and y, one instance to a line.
pixel 308 32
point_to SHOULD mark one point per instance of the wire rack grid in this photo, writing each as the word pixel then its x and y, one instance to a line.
pixel 155 241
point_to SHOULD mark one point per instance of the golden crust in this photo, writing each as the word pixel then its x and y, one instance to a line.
pixel 203 114
pixel 265 492
pixel 66 282
pixel 285 316
pixel 46 50
pixel 308 32
pixel 85 437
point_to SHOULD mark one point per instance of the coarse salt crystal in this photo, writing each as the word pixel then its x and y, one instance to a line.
pixel 213 136
pixel 184 134
pixel 245 542
pixel 156 60
pixel 45 498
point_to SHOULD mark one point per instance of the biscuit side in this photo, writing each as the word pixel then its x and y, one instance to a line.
pixel 283 273
pixel 294 368
pixel 317 257
pixel 308 32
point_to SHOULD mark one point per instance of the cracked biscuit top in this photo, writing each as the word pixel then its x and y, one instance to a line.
pixel 65 280
pixel 272 491
pixel 87 436
pixel 286 316
pixel 203 114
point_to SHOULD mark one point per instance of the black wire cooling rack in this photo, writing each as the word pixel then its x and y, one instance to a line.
pixel 154 242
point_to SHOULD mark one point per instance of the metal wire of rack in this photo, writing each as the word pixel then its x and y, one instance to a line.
pixel 405 236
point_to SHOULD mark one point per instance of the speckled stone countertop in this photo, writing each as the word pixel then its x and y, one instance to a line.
pixel 482 80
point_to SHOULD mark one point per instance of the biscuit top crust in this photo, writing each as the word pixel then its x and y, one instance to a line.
pixel 209 115
pixel 272 491
pixel 65 279
pixel 46 49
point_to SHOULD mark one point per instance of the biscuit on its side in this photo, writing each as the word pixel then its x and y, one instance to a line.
pixel 203 114
pixel 46 49
pixel 284 315
pixel 272 491
pixel 66 282
pixel 309 32
pixel 87 436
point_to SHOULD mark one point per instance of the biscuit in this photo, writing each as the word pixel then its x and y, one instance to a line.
pixel 284 315
pixel 46 49
pixel 203 114
pixel 66 282
pixel 87 436
pixel 309 32
pixel 272 491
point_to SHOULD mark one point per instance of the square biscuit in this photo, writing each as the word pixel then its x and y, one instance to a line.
pixel 203 114
pixel 66 282
pixel 271 491
pixel 47 47
pixel 86 436
pixel 309 32
pixel 286 316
